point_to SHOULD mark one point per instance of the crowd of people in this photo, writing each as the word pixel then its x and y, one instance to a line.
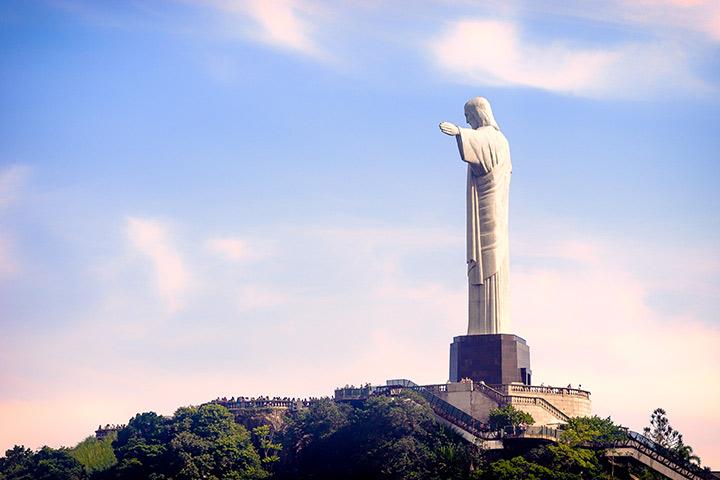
pixel 103 432
pixel 265 401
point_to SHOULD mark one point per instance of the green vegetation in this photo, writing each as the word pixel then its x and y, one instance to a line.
pixel 197 442
pixel 21 463
pixel 509 418
pixel 572 458
pixel 95 454
pixel 389 438
pixel 661 432
pixel 385 438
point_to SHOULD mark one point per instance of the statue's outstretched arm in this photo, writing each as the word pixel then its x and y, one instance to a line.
pixel 449 128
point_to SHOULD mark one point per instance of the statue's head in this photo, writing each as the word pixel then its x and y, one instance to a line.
pixel 479 114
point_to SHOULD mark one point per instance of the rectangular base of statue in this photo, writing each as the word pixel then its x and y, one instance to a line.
pixel 494 359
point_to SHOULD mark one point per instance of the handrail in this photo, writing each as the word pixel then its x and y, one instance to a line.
pixel 496 395
pixel 514 399
pixel 503 399
pixel 445 410
pixel 469 423
pixel 512 387
pixel 661 454
pixel 251 404
pixel 473 426
pixel 531 431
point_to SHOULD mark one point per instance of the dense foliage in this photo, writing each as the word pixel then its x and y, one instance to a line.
pixel 21 463
pixel 509 417
pixel 95 454
pixel 389 438
pixel 384 438
pixel 196 442
pixel 572 458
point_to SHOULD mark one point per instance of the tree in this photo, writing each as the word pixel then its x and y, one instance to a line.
pixel 686 453
pixel 509 417
pixel 587 430
pixel 519 467
pixel 94 454
pixel 53 464
pixel 660 430
pixel 141 446
pixel 20 463
pixel 662 433
pixel 268 450
pixel 197 442
pixel 16 464
pixel 386 438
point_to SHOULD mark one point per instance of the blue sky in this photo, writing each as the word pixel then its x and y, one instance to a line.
pixel 203 198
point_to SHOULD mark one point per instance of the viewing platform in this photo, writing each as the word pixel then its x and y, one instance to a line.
pixel 238 404
pixel 547 405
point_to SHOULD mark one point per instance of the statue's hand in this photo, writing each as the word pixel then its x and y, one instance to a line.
pixel 449 128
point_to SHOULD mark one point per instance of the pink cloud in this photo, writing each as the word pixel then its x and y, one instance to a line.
pixel 701 16
pixel 592 325
pixel 497 53
pixel 152 239
pixel 584 312
pixel 285 24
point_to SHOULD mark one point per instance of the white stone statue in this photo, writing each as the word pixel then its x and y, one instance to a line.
pixel 486 151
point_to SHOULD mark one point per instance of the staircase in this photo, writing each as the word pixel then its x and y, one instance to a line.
pixel 634 445
pixel 657 457
pixel 448 412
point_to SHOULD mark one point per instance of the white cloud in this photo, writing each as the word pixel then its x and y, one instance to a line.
pixel 590 323
pixel 697 18
pixel 236 249
pixel 495 53
pixel 375 297
pixel 12 179
pixel 151 238
pixel 694 16
pixel 8 264
pixel 284 24
pixel 252 297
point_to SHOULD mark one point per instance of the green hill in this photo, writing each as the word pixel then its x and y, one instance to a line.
pixel 385 438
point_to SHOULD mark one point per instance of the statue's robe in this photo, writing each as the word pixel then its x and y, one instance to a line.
pixel 487 153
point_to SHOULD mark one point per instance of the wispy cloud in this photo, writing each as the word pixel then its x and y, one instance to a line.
pixel 371 295
pixel 595 311
pixel 237 249
pixel 152 239
pixel 667 16
pixel 496 53
pixel 284 24
pixel 8 263
pixel 252 297
pixel 12 180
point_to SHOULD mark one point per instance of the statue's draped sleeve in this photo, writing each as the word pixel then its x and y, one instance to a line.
pixel 488 156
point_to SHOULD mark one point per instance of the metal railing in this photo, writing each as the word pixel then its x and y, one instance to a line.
pixel 503 399
pixel 508 389
pixel 532 431
pixel 234 405
pixel 442 409
pixel 541 402
pixel 467 422
pixel 660 454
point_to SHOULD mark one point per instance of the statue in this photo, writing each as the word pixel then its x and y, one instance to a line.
pixel 486 151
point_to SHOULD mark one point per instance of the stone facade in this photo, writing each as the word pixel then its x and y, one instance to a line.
pixel 495 359
pixel 463 396
pixel 571 401
pixel 547 405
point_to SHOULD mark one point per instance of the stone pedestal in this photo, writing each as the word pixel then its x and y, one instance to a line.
pixel 495 359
